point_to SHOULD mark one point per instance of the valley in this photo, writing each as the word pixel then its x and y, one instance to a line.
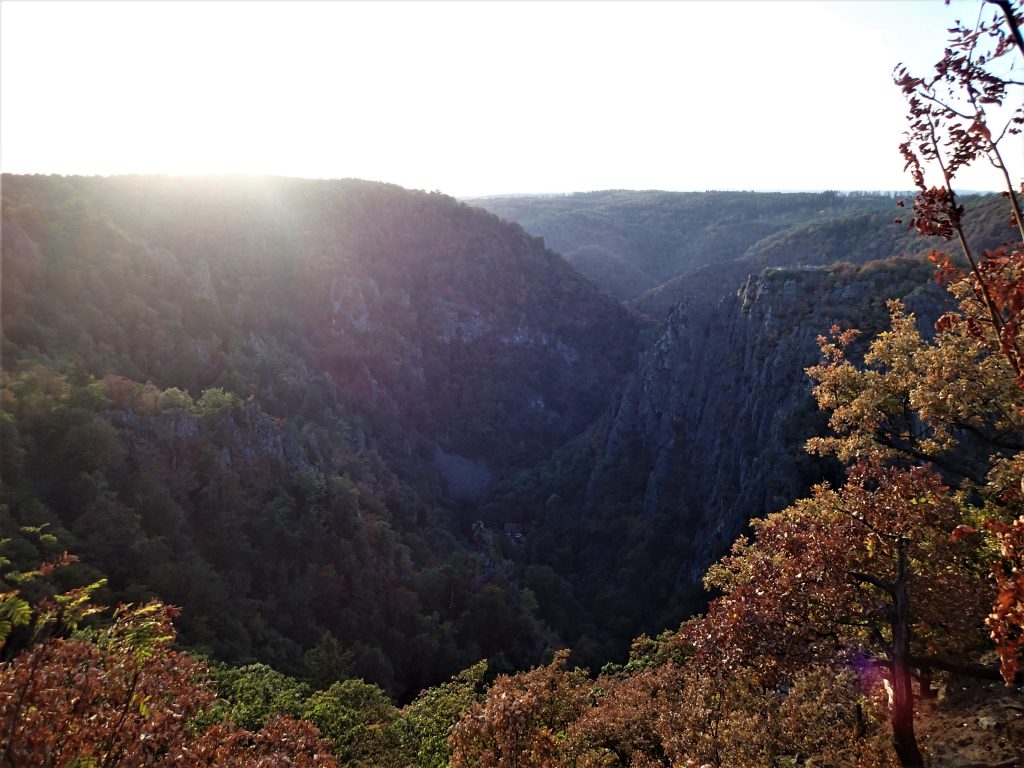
pixel 362 432
pixel 325 395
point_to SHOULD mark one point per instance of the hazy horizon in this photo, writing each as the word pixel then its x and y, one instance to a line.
pixel 513 193
pixel 471 99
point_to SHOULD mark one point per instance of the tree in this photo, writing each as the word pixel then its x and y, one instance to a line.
pixel 522 721
pixel 357 717
pixel 427 721
pixel 129 699
pixel 31 608
pixel 868 574
pixel 688 715
pixel 957 117
pixel 887 566
pixel 257 693
pixel 965 112
pixel 1007 617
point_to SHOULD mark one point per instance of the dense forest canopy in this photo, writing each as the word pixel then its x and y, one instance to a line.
pixel 660 235
pixel 309 414
pixel 264 400
pixel 653 249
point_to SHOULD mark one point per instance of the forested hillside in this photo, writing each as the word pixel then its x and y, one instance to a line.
pixel 702 246
pixel 265 401
pixel 707 433
pixel 311 413
pixel 856 238
pixel 630 242
pixel 367 437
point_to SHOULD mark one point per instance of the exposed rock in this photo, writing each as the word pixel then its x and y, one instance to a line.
pixel 720 406
pixel 349 305
pixel 202 280
pixel 251 436
pixel 461 323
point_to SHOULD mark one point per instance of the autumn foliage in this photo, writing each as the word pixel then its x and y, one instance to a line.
pixel 1007 617
pixel 521 722
pixel 129 699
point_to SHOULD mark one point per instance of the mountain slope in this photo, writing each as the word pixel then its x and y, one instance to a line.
pixel 263 398
pixel 707 433
pixel 350 426
pixel 657 236
pixel 654 249
pixel 417 306
pixel 856 237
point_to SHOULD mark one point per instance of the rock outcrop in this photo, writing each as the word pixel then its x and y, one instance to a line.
pixel 720 407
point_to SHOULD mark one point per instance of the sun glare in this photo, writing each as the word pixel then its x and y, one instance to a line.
pixel 470 98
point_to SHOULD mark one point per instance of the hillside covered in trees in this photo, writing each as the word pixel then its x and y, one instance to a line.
pixel 268 402
pixel 630 242
pixel 307 412
pixel 703 245
pixel 248 435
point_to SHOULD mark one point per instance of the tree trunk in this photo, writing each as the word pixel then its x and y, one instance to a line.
pixel 902 707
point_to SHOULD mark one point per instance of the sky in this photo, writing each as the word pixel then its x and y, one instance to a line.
pixel 472 98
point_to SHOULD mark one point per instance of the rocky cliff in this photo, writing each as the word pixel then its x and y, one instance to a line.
pixel 720 406
pixel 706 434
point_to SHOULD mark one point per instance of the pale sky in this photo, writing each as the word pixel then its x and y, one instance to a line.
pixel 471 98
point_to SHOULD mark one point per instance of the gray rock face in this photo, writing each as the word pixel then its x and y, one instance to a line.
pixel 720 407
pixel 348 298
pixel 251 436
